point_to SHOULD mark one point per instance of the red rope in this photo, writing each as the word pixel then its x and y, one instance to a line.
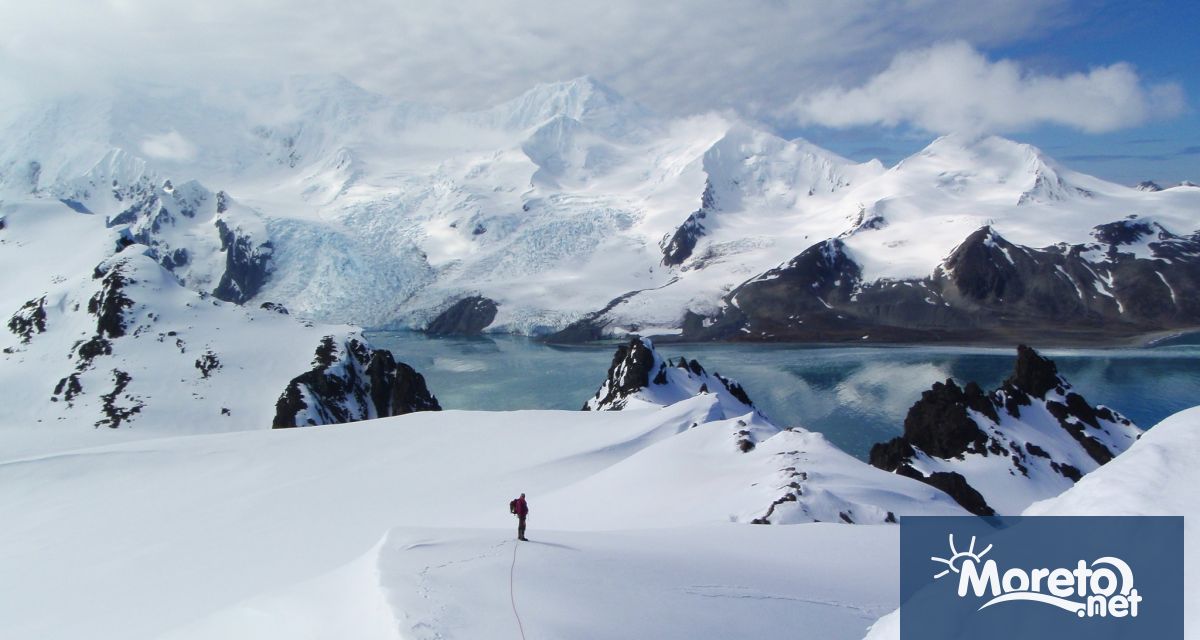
pixel 511 597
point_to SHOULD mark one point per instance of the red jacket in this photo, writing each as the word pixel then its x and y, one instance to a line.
pixel 519 507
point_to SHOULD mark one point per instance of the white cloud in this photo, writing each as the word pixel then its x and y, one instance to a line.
pixel 951 87
pixel 168 146
pixel 675 56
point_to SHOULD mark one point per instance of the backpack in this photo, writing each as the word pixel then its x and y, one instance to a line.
pixel 512 507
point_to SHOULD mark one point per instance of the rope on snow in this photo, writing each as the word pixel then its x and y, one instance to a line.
pixel 511 596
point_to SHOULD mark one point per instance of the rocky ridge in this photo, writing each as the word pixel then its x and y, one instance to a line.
pixel 1000 451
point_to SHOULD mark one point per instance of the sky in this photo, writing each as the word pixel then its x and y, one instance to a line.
pixel 1108 88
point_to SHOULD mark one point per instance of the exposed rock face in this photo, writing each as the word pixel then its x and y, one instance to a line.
pixel 795 299
pixel 638 374
pixel 590 327
pixel 396 388
pixel 29 319
pixel 941 425
pixel 350 382
pixel 956 486
pixel 247 265
pixel 207 363
pixel 114 413
pixel 999 452
pixel 467 317
pixel 682 243
pixel 124 345
pixel 110 303
pixel 1148 185
pixel 155 216
pixel 628 374
pixel 1129 281
pixel 172 220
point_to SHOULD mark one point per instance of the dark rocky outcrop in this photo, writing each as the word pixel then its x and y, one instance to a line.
pixel 88 350
pixel 467 317
pixel 110 303
pixel 796 299
pixel 1122 232
pixel 637 370
pixel 940 423
pixel 207 363
pixel 68 388
pixel 247 265
pixel 591 327
pixel 114 413
pixel 351 382
pixel 956 486
pixel 679 247
pixel 272 306
pixel 29 319
pixel 628 374
pixel 1033 375
pixel 950 424
pixel 396 388
pixel 1129 281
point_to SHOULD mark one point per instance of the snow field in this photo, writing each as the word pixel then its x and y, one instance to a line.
pixel 144 538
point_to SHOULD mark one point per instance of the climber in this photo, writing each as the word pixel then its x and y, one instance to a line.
pixel 520 508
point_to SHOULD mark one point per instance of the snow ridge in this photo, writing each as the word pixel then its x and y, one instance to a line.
pixel 794 475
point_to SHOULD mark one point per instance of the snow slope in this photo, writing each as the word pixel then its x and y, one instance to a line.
pixel 1157 475
pixel 105 337
pixel 443 583
pixel 801 476
pixel 243 530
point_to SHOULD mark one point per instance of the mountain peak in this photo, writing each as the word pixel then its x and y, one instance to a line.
pixel 982 145
pixel 584 98
pixel 992 166
pixel 639 374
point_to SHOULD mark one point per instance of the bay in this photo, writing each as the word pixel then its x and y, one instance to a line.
pixel 855 396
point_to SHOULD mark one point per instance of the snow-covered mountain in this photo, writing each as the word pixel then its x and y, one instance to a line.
pixel 998 452
pixel 104 334
pixel 573 212
pixel 807 478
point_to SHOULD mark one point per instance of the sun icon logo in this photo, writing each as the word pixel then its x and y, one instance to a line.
pixel 957 558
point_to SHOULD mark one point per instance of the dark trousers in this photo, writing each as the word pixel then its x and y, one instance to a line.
pixel 521 527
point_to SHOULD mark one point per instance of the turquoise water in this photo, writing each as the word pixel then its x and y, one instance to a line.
pixel 856 396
